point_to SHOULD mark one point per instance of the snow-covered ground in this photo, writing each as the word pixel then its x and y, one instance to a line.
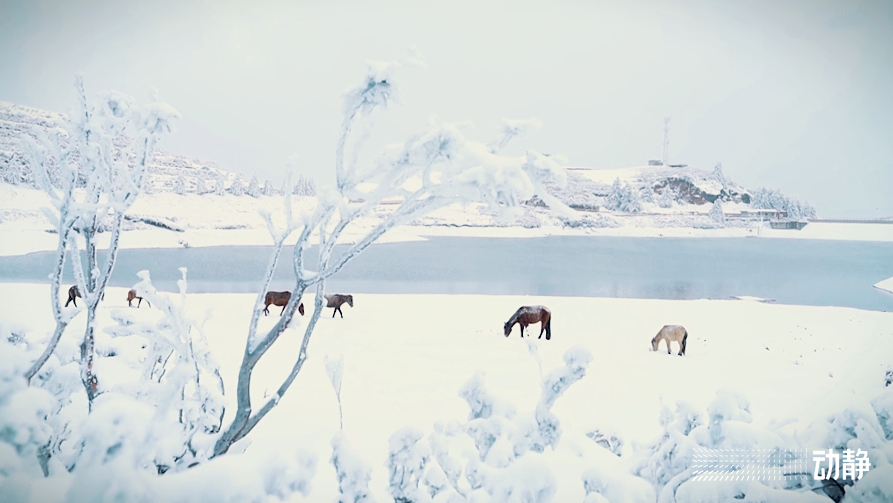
pixel 807 373
pixel 211 220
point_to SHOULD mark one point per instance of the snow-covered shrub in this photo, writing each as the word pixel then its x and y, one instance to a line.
pixel 716 213
pixel 253 187
pixel 502 448
pixel 352 474
pixel 91 151
pixel 407 458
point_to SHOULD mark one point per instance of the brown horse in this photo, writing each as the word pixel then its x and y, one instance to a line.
pixel 279 299
pixel 72 293
pixel 528 315
pixel 336 300
pixel 669 333
pixel 131 295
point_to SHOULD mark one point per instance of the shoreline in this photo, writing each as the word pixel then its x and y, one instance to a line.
pixel 15 240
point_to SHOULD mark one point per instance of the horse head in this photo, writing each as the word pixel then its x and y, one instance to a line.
pixel 350 300
pixel 507 328
pixel 655 342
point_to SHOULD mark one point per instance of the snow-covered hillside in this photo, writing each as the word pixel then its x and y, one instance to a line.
pixel 685 194
pixel 168 172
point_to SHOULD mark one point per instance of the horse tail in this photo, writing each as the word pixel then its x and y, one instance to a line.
pixel 684 338
pixel 549 328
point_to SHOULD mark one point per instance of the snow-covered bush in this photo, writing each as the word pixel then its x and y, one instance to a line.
pixel 501 448
pixel 92 148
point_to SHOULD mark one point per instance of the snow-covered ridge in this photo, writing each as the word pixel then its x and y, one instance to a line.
pixel 165 172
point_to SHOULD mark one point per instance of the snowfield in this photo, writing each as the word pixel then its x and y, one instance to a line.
pixel 212 220
pixel 806 375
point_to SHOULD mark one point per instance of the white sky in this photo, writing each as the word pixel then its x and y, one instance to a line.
pixel 794 96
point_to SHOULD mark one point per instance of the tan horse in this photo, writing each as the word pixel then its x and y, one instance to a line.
pixel 674 333
pixel 72 293
pixel 131 295
pixel 279 299
pixel 529 315
pixel 336 300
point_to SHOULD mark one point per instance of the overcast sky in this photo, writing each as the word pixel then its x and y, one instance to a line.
pixel 794 95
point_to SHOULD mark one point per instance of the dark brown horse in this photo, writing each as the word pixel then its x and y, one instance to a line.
pixel 279 299
pixel 336 300
pixel 528 315
pixel 131 295
pixel 72 293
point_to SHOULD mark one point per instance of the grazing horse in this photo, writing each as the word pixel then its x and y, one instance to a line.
pixel 131 295
pixel 336 300
pixel 72 293
pixel 279 299
pixel 669 333
pixel 528 315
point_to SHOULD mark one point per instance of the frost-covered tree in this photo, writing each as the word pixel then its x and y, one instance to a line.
pixel 253 187
pixel 624 198
pixel 237 189
pixel 162 431
pixel 180 185
pixel 201 183
pixel 93 145
pixel 719 176
pixel 268 188
pixel 773 199
pixel 219 187
pixel 448 168
pixel 305 186
pixel 666 198
pixel 716 213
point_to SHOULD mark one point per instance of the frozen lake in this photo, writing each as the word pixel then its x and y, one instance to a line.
pixel 791 271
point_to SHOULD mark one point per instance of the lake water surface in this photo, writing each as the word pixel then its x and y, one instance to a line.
pixel 791 271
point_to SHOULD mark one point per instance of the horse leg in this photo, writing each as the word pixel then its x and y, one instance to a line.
pixel 522 331
pixel 334 311
pixel 283 309
pixel 668 346
pixel 340 312
pixel 266 310
pixel 140 303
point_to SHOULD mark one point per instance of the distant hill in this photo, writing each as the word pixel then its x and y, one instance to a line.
pixel 641 189
pixel 166 167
